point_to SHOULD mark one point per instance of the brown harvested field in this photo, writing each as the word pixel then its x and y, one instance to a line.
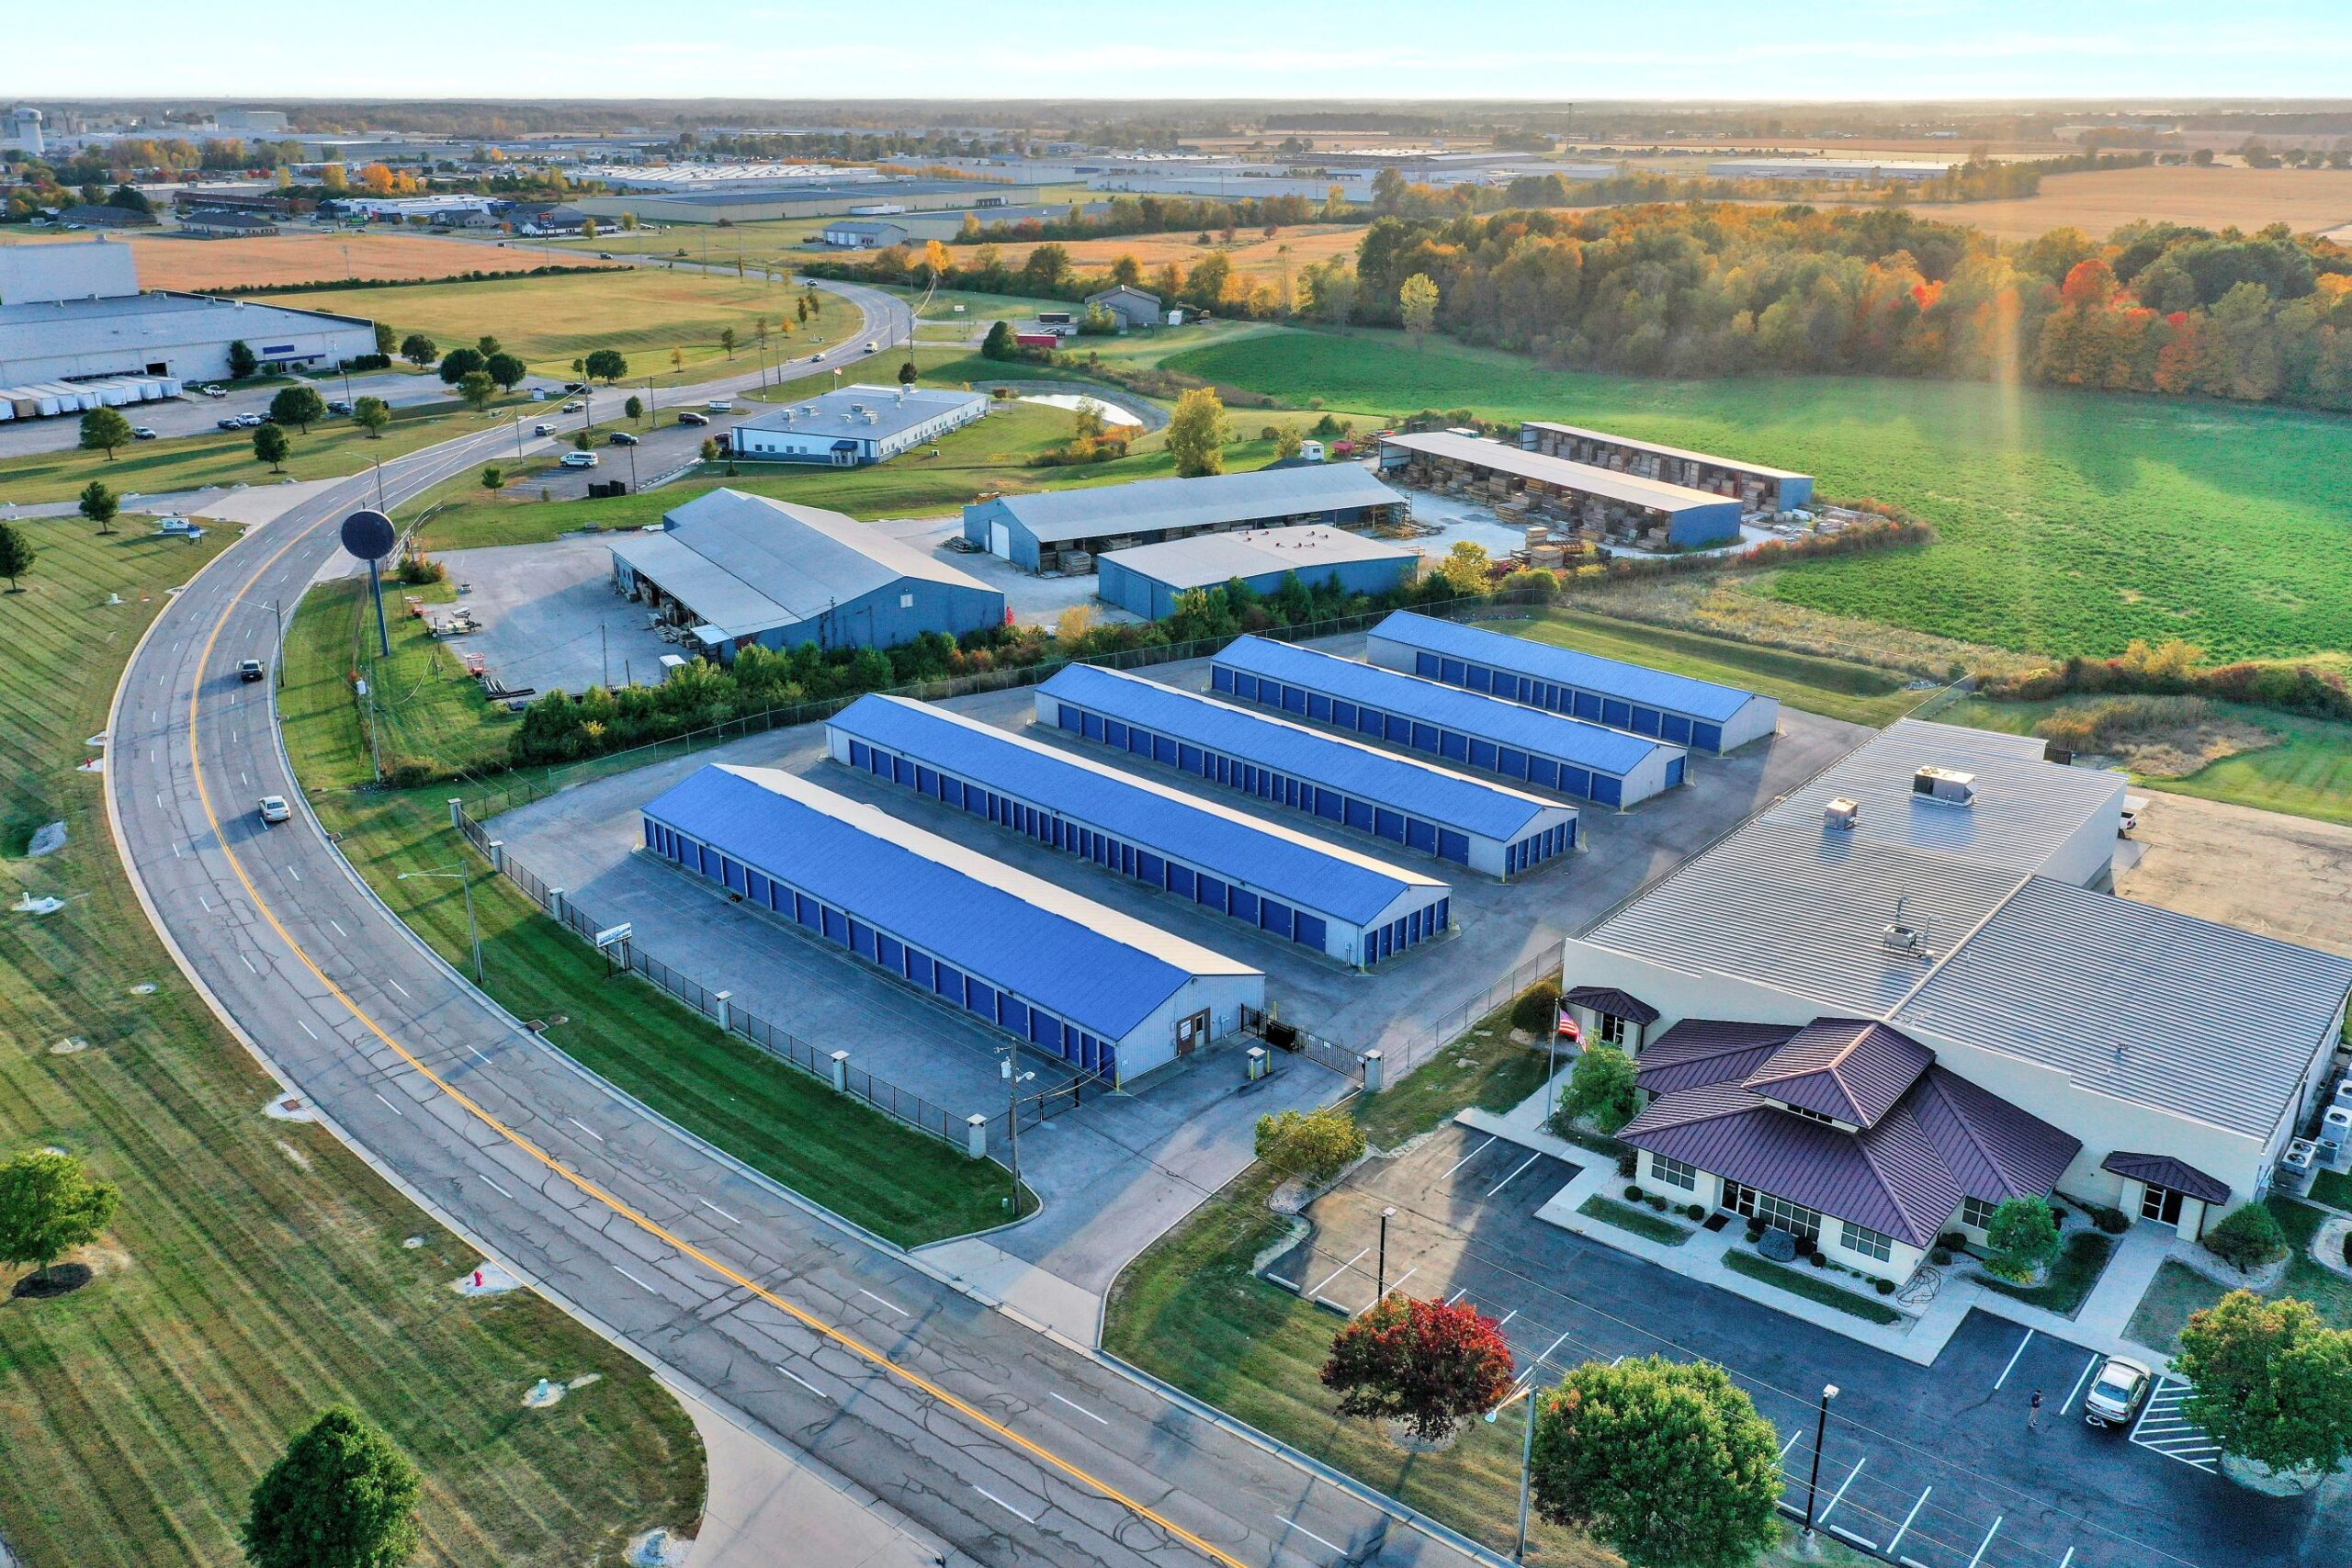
pixel 168 261
pixel 2304 200
pixel 1253 253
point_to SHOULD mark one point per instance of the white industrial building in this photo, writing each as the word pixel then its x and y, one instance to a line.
pixel 854 426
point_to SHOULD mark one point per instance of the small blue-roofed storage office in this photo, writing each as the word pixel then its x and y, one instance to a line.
pixel 1677 709
pixel 1348 906
pixel 1484 825
pixel 1549 751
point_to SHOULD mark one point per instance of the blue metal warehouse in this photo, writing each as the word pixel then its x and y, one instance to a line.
pixel 1487 826
pixel 733 569
pixel 1687 712
pixel 1355 909
pixel 1549 751
pixel 1039 532
pixel 1149 577
pixel 1102 991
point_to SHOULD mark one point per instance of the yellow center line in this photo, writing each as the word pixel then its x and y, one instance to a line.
pixel 596 1191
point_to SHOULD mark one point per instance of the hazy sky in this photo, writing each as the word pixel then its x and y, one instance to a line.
pixel 1014 48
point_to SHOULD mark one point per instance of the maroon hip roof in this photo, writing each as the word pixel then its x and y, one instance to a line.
pixel 2163 1170
pixel 1612 1002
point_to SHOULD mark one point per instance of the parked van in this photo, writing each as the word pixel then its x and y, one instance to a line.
pixel 720 405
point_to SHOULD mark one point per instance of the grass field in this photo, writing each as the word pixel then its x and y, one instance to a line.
pixel 256 1272
pixel 550 322
pixel 2177 1291
pixel 1856 693
pixel 2069 522
pixel 2074 1273
pixel 1252 254
pixel 2097 203
pixel 907 1187
pixel 172 261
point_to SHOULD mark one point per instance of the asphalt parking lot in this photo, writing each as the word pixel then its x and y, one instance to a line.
pixel 1932 1466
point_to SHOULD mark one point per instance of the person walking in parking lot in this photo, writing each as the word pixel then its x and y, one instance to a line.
pixel 2034 1413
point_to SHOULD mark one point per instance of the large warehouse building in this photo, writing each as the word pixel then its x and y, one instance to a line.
pixel 74 312
pixel 1322 896
pixel 1897 999
pixel 852 426
pixel 1074 979
pixel 763 201
pixel 1149 579
pixel 1648 512
pixel 1675 708
pixel 1045 532
pixel 1488 827
pixel 731 570
pixel 1757 486
pixel 1609 767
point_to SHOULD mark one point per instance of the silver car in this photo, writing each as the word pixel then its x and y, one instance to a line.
pixel 2117 1394
pixel 273 808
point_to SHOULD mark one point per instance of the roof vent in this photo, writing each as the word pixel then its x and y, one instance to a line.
pixel 1900 936
pixel 1946 784
pixel 1842 813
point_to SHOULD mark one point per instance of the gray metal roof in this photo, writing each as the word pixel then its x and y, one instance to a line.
pixel 1662 450
pixel 1659 689
pixel 1630 488
pixel 748 564
pixel 2204 1020
pixel 843 412
pixel 1211 501
pixel 130 322
pixel 1209 560
pixel 1967 738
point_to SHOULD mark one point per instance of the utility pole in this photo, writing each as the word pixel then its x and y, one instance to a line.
pixel 1526 1390
pixel 605 654
pixel 1380 1274
pixel 277 664
pixel 1820 1431
pixel 1013 1080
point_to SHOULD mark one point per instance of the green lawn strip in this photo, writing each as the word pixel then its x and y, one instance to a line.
pixel 1807 1283
pixel 1188 1311
pixel 2072 1275
pixel 1486 1068
pixel 1640 1221
pixel 428 714
pixel 2333 1189
pixel 2177 1291
pixel 256 1271
pixel 1856 693
pixel 863 1165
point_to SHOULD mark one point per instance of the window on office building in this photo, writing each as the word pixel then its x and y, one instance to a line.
pixel 1675 1173
pixel 1865 1243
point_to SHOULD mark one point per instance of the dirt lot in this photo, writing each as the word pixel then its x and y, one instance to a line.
pixel 171 261
pixel 2097 203
pixel 2285 876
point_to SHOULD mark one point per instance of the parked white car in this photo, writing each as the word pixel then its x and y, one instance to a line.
pixel 579 460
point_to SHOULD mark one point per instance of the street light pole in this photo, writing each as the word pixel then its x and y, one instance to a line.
pixel 1820 1432
pixel 1013 1080
pixel 1380 1274
pixel 1526 1453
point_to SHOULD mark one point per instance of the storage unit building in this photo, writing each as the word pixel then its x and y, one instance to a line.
pixel 1042 533
pixel 732 569
pixel 852 426
pixel 1348 905
pixel 1756 485
pixel 1073 979
pixel 1576 494
pixel 1148 578
pixel 1488 827
pixel 1675 708
pixel 1609 767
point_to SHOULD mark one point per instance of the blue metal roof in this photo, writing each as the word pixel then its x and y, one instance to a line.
pixel 1101 970
pixel 1566 667
pixel 1320 878
pixel 1612 752
pixel 1437 794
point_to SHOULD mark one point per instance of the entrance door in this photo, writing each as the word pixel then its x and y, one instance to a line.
pixel 2160 1203
pixel 1191 1032
pixel 999 541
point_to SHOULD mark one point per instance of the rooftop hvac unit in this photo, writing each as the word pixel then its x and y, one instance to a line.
pixel 1899 935
pixel 1946 784
pixel 1842 813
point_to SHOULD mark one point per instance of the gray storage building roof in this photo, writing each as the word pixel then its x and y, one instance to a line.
pixel 1440 795
pixel 1662 450
pixel 843 410
pixel 747 564
pixel 1100 969
pixel 1301 871
pixel 45 330
pixel 1607 484
pixel 1208 501
pixel 1566 667
pixel 1208 560
pixel 1612 752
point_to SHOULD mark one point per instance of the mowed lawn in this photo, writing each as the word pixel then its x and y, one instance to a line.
pixel 256 1272
pixel 785 1124
pixel 2069 522
pixel 645 312
pixel 1856 693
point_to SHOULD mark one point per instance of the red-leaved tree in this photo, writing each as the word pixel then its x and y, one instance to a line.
pixel 1424 1364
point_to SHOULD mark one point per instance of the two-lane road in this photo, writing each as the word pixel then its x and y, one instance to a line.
pixel 1000 1441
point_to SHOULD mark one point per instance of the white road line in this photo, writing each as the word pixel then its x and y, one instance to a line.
pixel 719 1212
pixel 1081 1409
pixel 494 1187
pixel 247 776
pixel 1841 1495
pixel 1312 1536
pixel 590 1131
pixel 205 902
pixel 1318 1290
pixel 389 1106
pixel 159 800
pixel 247 963
pixel 478 1055
pixel 1507 1180
pixel 804 1383
pixel 176 850
pixel 296 872
pixel 1906 1522
pixel 1986 1541
pixel 338 928
pixel 396 985
pixel 894 1306
pixel 635 1280
pixel 2088 1368
pixel 308 1030
pixel 1466 1160
pixel 1024 1518
pixel 2013 1360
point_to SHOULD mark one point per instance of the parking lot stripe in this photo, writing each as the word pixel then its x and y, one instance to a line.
pixel 2069 1557
pixel 1317 1290
pixel 1839 1496
pixel 1551 1347
pixel 1987 1540
pixel 1508 1316
pixel 1466 1160
pixel 1791 1442
pixel 2013 1360
pixel 2088 1367
pixel 1905 1529
pixel 1507 1180
pixel 1865 1542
